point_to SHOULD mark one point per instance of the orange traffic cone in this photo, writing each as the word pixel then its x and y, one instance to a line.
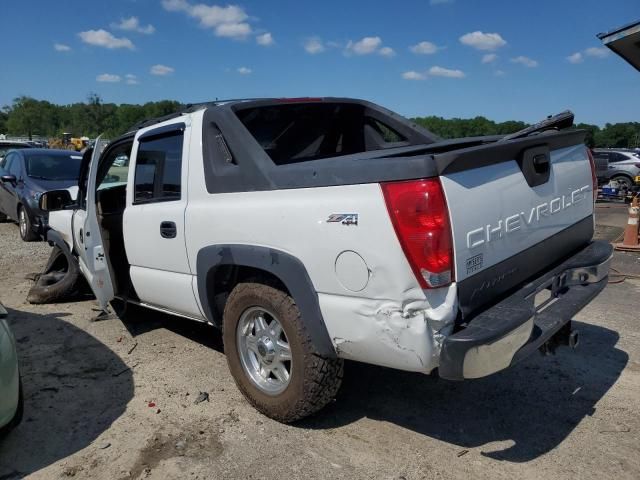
pixel 631 243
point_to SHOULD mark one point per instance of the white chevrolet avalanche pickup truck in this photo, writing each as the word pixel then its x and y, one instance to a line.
pixel 314 230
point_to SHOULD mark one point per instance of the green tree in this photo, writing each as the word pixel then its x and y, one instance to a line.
pixel 28 116
pixel 592 131
pixel 4 117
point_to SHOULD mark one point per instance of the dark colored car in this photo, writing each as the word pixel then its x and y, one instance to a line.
pixel 24 175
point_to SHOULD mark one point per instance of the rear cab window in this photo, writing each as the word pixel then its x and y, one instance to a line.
pixel 293 133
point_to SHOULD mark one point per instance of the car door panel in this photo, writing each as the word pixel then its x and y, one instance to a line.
pixel 4 188
pixel 88 238
pixel 12 191
pixel 154 220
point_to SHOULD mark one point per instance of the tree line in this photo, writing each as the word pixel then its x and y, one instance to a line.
pixel 30 117
pixel 616 135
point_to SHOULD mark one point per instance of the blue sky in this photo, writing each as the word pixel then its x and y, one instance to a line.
pixel 503 59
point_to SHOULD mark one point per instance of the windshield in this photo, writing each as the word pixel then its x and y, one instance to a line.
pixel 54 167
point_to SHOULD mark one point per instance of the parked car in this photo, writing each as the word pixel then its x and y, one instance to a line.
pixel 6 145
pixel 317 230
pixel 11 400
pixel 624 165
pixel 24 175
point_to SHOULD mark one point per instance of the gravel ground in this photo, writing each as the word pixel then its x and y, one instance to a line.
pixel 105 400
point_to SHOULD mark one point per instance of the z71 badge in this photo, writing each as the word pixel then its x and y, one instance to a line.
pixel 343 218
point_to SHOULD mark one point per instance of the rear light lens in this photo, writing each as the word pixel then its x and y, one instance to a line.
pixel 594 178
pixel 418 211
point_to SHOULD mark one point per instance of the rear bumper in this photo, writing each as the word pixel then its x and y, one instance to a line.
pixel 515 327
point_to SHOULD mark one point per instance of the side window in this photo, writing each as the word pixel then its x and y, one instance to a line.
pixel 158 176
pixel 617 157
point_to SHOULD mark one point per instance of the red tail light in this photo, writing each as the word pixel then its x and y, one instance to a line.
pixel 419 214
pixel 594 178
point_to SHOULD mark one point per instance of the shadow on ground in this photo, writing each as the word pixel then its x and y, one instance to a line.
pixel 143 320
pixel 75 388
pixel 532 406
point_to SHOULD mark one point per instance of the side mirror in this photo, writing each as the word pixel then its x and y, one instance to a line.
pixel 55 200
pixel 9 179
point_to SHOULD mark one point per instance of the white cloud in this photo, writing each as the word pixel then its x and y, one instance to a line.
pixel 483 41
pixel 526 61
pixel 446 72
pixel 424 48
pixel 499 73
pixel 314 45
pixel 233 30
pixel 575 58
pixel 597 52
pixel 594 52
pixel 108 78
pixel 413 75
pixel 102 38
pixel 61 47
pixel 489 58
pixel 387 52
pixel 132 24
pixel 230 21
pixel 131 79
pixel 161 70
pixel 244 71
pixel 367 46
pixel 266 39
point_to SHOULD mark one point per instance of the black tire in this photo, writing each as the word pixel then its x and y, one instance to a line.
pixel 314 380
pixel 17 418
pixel 623 181
pixel 3 217
pixel 26 227
pixel 60 281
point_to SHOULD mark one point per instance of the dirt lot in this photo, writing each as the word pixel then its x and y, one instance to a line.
pixel 106 400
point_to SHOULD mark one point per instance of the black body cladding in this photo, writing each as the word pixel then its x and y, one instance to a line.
pixel 288 269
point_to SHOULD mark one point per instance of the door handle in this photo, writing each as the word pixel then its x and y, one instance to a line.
pixel 168 230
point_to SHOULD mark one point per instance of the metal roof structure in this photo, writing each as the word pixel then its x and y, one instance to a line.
pixel 624 41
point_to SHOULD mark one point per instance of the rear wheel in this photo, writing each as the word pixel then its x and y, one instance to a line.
pixel 623 181
pixel 24 221
pixel 271 356
pixel 3 217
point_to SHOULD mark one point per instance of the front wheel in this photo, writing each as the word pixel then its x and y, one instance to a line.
pixel 271 356
pixel 26 230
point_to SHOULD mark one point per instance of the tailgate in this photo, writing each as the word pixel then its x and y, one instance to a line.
pixel 516 208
